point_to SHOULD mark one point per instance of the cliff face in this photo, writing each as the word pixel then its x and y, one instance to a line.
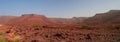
pixel 112 16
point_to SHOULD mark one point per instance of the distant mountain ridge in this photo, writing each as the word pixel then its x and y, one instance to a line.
pixel 113 16
pixel 41 19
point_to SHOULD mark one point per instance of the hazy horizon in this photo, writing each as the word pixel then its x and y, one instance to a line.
pixel 58 8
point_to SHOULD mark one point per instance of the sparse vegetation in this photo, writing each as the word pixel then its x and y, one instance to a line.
pixel 49 40
pixel 16 39
pixel 84 25
pixel 117 27
pixel 3 40
pixel 113 27
pixel 37 26
pixel 110 26
pixel 1 33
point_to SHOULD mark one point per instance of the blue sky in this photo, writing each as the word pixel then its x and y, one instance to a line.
pixel 58 8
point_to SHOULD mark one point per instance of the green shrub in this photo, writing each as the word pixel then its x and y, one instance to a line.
pixel 37 26
pixel 110 26
pixel 3 40
pixel 16 39
pixel 113 27
pixel 117 27
pixel 84 26
pixel 1 33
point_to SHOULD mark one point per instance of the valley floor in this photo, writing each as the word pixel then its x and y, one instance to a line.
pixel 59 34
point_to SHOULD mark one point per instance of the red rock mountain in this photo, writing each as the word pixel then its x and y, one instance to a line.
pixel 74 20
pixel 31 19
pixel 6 19
pixel 40 19
pixel 113 16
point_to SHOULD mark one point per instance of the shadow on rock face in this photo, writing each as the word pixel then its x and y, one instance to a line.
pixel 88 37
pixel 34 41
